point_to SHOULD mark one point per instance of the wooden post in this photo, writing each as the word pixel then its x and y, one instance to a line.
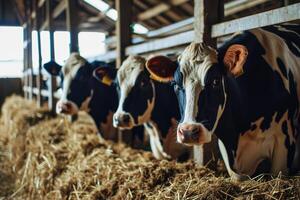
pixel 72 24
pixel 39 75
pixel 207 13
pixel 52 80
pixel 123 28
pixel 123 32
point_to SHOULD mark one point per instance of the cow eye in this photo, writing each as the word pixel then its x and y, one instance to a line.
pixel 216 83
pixel 143 83
pixel 176 87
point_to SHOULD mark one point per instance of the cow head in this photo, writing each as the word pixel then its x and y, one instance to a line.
pixel 200 84
pixel 136 94
pixel 75 84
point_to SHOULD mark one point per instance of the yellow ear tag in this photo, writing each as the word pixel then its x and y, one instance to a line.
pixel 107 80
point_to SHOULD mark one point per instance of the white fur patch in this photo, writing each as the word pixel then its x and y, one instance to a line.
pixel 127 75
pixel 257 145
pixel 192 93
pixel 150 105
pixel 195 61
pixel 69 70
pixel 221 108
pixel 233 175
pixel 276 47
pixel 66 107
pixel 156 146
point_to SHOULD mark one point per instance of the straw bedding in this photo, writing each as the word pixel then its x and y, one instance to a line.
pixel 47 157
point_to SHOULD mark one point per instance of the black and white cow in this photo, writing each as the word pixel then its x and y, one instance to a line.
pixel 143 101
pixel 247 93
pixel 88 87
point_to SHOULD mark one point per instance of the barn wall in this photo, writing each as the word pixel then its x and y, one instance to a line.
pixel 9 86
pixel 8 16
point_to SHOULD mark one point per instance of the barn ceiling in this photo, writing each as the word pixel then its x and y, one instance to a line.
pixel 152 14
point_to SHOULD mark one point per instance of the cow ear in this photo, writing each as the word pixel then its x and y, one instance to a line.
pixel 105 75
pixel 161 68
pixel 235 58
pixel 52 68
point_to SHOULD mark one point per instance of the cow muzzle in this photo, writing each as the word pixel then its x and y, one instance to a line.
pixel 66 107
pixel 192 134
pixel 122 120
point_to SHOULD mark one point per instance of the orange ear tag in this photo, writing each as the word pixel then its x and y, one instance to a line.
pixel 107 80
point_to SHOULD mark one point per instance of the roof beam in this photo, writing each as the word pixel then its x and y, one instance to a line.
pixel 59 8
pixel 164 43
pixel 276 16
pixel 170 28
pixel 41 3
pixel 233 7
pixel 229 9
pixel 160 8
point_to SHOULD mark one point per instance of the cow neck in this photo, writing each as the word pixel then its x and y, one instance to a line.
pixel 165 108
pixel 102 102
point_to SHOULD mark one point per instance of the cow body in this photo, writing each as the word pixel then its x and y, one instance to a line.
pixel 267 124
pixel 82 90
pixel 247 94
pixel 143 101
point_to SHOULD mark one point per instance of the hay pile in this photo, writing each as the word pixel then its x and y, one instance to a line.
pixel 49 158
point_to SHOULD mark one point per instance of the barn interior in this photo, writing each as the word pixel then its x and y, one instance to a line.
pixel 44 156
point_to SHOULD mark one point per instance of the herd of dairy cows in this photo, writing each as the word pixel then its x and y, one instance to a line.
pixel 245 92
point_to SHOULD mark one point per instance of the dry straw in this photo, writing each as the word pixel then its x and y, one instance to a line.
pixel 43 157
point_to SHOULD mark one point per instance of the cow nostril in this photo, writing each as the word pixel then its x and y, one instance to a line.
pixel 195 130
pixel 191 134
pixel 68 105
pixel 126 119
pixel 194 135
